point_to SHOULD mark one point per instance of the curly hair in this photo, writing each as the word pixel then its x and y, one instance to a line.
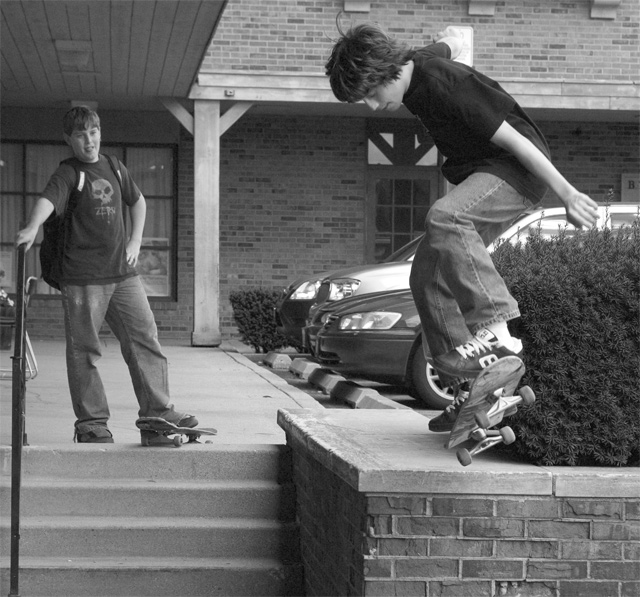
pixel 79 118
pixel 363 58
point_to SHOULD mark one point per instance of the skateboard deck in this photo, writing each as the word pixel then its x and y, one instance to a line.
pixel 491 398
pixel 159 431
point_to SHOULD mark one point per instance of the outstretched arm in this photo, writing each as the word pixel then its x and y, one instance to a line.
pixel 453 38
pixel 39 215
pixel 581 209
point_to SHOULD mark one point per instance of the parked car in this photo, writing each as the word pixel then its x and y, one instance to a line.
pixel 292 309
pixel 379 337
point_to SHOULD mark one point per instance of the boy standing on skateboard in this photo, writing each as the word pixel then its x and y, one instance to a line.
pixel 498 159
pixel 98 281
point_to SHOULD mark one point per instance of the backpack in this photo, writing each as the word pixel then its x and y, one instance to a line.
pixel 56 228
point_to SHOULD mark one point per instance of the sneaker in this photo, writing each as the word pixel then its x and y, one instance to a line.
pixel 95 436
pixel 187 421
pixel 464 362
pixel 445 420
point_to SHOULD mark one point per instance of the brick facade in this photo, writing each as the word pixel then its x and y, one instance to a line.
pixel 293 188
pixel 437 545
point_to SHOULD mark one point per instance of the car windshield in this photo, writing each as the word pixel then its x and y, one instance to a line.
pixel 406 252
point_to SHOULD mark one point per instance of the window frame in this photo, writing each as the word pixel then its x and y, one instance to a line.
pixel 122 147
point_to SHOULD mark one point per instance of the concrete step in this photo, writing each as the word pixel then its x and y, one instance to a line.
pixel 153 577
pixel 197 462
pixel 43 496
pixel 111 537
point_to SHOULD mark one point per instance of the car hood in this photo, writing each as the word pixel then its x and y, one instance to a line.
pixel 400 301
pixel 375 270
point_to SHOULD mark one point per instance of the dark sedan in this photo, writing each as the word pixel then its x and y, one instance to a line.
pixel 377 336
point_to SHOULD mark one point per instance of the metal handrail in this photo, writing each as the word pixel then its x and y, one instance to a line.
pixel 18 435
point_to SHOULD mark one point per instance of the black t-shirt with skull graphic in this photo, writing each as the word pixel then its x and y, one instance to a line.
pixel 95 252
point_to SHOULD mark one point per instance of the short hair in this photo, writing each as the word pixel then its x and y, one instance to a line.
pixel 363 58
pixel 79 118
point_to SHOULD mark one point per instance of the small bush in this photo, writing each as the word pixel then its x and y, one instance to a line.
pixel 253 314
pixel 579 302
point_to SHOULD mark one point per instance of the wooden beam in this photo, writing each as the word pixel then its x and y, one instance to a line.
pixel 181 114
pixel 206 191
pixel 232 115
pixel 482 8
pixel 604 9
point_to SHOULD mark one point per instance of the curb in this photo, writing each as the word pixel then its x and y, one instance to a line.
pixel 336 386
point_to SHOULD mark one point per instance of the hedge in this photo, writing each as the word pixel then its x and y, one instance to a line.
pixel 579 324
pixel 253 314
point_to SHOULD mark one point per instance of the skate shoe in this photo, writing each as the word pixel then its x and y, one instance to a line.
pixel 187 421
pixel 445 420
pixel 100 435
pixel 464 362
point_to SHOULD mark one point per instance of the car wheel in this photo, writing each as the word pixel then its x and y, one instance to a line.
pixel 425 384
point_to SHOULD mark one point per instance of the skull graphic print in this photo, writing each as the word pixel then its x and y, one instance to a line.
pixel 103 193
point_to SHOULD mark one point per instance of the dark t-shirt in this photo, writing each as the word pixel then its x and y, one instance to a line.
pixel 95 252
pixel 462 109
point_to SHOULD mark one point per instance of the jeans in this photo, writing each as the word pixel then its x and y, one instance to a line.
pixel 125 308
pixel 454 283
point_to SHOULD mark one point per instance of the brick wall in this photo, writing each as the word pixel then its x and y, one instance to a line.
pixel 293 198
pixel 292 194
pixel 525 38
pixel 460 545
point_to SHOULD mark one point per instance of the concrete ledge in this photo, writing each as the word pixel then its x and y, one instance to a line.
pixel 393 450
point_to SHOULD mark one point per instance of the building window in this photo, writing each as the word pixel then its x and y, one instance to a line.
pixel 25 169
pixel 403 182
pixel 401 201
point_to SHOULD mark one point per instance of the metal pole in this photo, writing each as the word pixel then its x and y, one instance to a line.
pixel 18 425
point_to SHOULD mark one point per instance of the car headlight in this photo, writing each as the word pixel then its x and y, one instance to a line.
pixel 306 291
pixel 375 320
pixel 342 288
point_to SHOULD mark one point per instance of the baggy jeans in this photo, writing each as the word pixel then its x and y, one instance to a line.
pixel 454 283
pixel 125 308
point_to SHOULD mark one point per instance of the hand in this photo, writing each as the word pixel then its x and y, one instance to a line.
pixel 132 252
pixel 582 211
pixel 449 31
pixel 26 236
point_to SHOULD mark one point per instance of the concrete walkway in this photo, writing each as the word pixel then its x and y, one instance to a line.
pixel 220 386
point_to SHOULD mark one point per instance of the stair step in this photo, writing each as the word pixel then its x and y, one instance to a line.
pixel 132 497
pixel 190 462
pixel 88 536
pixel 157 577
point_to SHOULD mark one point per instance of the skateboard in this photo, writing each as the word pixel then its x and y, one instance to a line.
pixel 159 432
pixel 491 398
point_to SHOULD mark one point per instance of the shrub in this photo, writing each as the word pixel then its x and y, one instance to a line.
pixel 579 302
pixel 253 314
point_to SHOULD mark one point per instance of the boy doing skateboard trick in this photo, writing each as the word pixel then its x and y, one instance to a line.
pixel 500 162
pixel 97 278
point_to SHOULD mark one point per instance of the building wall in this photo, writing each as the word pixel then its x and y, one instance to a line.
pixel 293 197
pixel 293 188
pixel 526 38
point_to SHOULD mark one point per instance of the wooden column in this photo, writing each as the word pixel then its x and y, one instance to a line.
pixel 206 300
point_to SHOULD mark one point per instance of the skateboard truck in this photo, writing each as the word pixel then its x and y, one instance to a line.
pixel 492 396
pixel 485 437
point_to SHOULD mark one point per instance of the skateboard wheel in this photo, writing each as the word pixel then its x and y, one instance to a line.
pixel 508 436
pixel 177 441
pixel 527 395
pixel 464 457
pixel 482 420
